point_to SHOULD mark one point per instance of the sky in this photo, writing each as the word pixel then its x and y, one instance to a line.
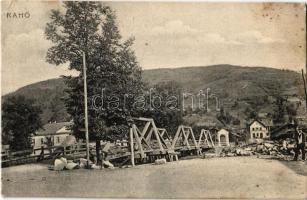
pixel 167 34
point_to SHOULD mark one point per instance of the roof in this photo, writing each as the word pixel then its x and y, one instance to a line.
pixel 257 120
pixel 53 128
pixel 264 122
pixel 223 130
pixel 203 121
pixel 267 121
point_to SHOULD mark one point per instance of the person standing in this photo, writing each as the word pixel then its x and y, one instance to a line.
pixel 300 140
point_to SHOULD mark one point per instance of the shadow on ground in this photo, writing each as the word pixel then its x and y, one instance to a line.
pixel 298 167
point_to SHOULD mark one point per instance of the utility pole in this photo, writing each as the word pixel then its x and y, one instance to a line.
pixel 85 111
pixel 305 87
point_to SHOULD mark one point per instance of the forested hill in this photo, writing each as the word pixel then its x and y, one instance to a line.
pixel 230 83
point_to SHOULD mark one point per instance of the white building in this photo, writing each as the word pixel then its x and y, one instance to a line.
pixel 258 130
pixel 223 137
pixel 53 134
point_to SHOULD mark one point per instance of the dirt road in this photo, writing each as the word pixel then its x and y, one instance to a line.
pixel 237 177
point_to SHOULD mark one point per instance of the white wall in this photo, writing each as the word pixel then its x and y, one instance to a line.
pixel 40 140
pixel 225 133
pixel 258 131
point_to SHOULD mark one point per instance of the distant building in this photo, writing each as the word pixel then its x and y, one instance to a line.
pixel 223 137
pixel 259 130
pixel 53 134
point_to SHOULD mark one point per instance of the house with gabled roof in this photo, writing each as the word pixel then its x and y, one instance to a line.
pixel 258 129
pixel 52 134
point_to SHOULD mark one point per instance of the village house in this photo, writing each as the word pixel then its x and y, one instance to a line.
pixel 259 130
pixel 52 134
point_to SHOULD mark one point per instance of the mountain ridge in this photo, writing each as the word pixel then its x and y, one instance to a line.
pixel 230 83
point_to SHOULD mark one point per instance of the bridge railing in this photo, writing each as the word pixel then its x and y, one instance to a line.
pixel 31 155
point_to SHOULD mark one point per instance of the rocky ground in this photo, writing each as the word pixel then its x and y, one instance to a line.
pixel 228 177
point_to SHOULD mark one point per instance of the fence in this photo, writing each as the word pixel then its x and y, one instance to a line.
pixel 9 158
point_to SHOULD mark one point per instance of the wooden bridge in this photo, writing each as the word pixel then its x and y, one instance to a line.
pixel 146 144
pixel 151 143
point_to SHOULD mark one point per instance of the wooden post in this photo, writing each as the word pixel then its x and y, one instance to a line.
pixel 177 135
pixel 149 136
pixel 42 153
pixel 200 137
pixel 145 129
pixel 131 147
pixel 305 89
pixel 157 136
pixel 193 137
pixel 211 138
pixel 137 138
pixel 85 111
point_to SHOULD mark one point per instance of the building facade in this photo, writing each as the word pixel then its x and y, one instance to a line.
pixel 258 130
pixel 223 137
pixel 52 134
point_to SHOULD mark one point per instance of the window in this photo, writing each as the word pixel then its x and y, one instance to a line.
pixel 253 129
pixel 254 135
pixel 58 139
pixel 261 135
pixel 260 128
pixel 42 141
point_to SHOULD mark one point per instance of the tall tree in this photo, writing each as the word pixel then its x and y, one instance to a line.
pixel 20 119
pixel 57 107
pixel 112 67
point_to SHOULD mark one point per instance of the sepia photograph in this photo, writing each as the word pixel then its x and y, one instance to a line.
pixel 153 100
